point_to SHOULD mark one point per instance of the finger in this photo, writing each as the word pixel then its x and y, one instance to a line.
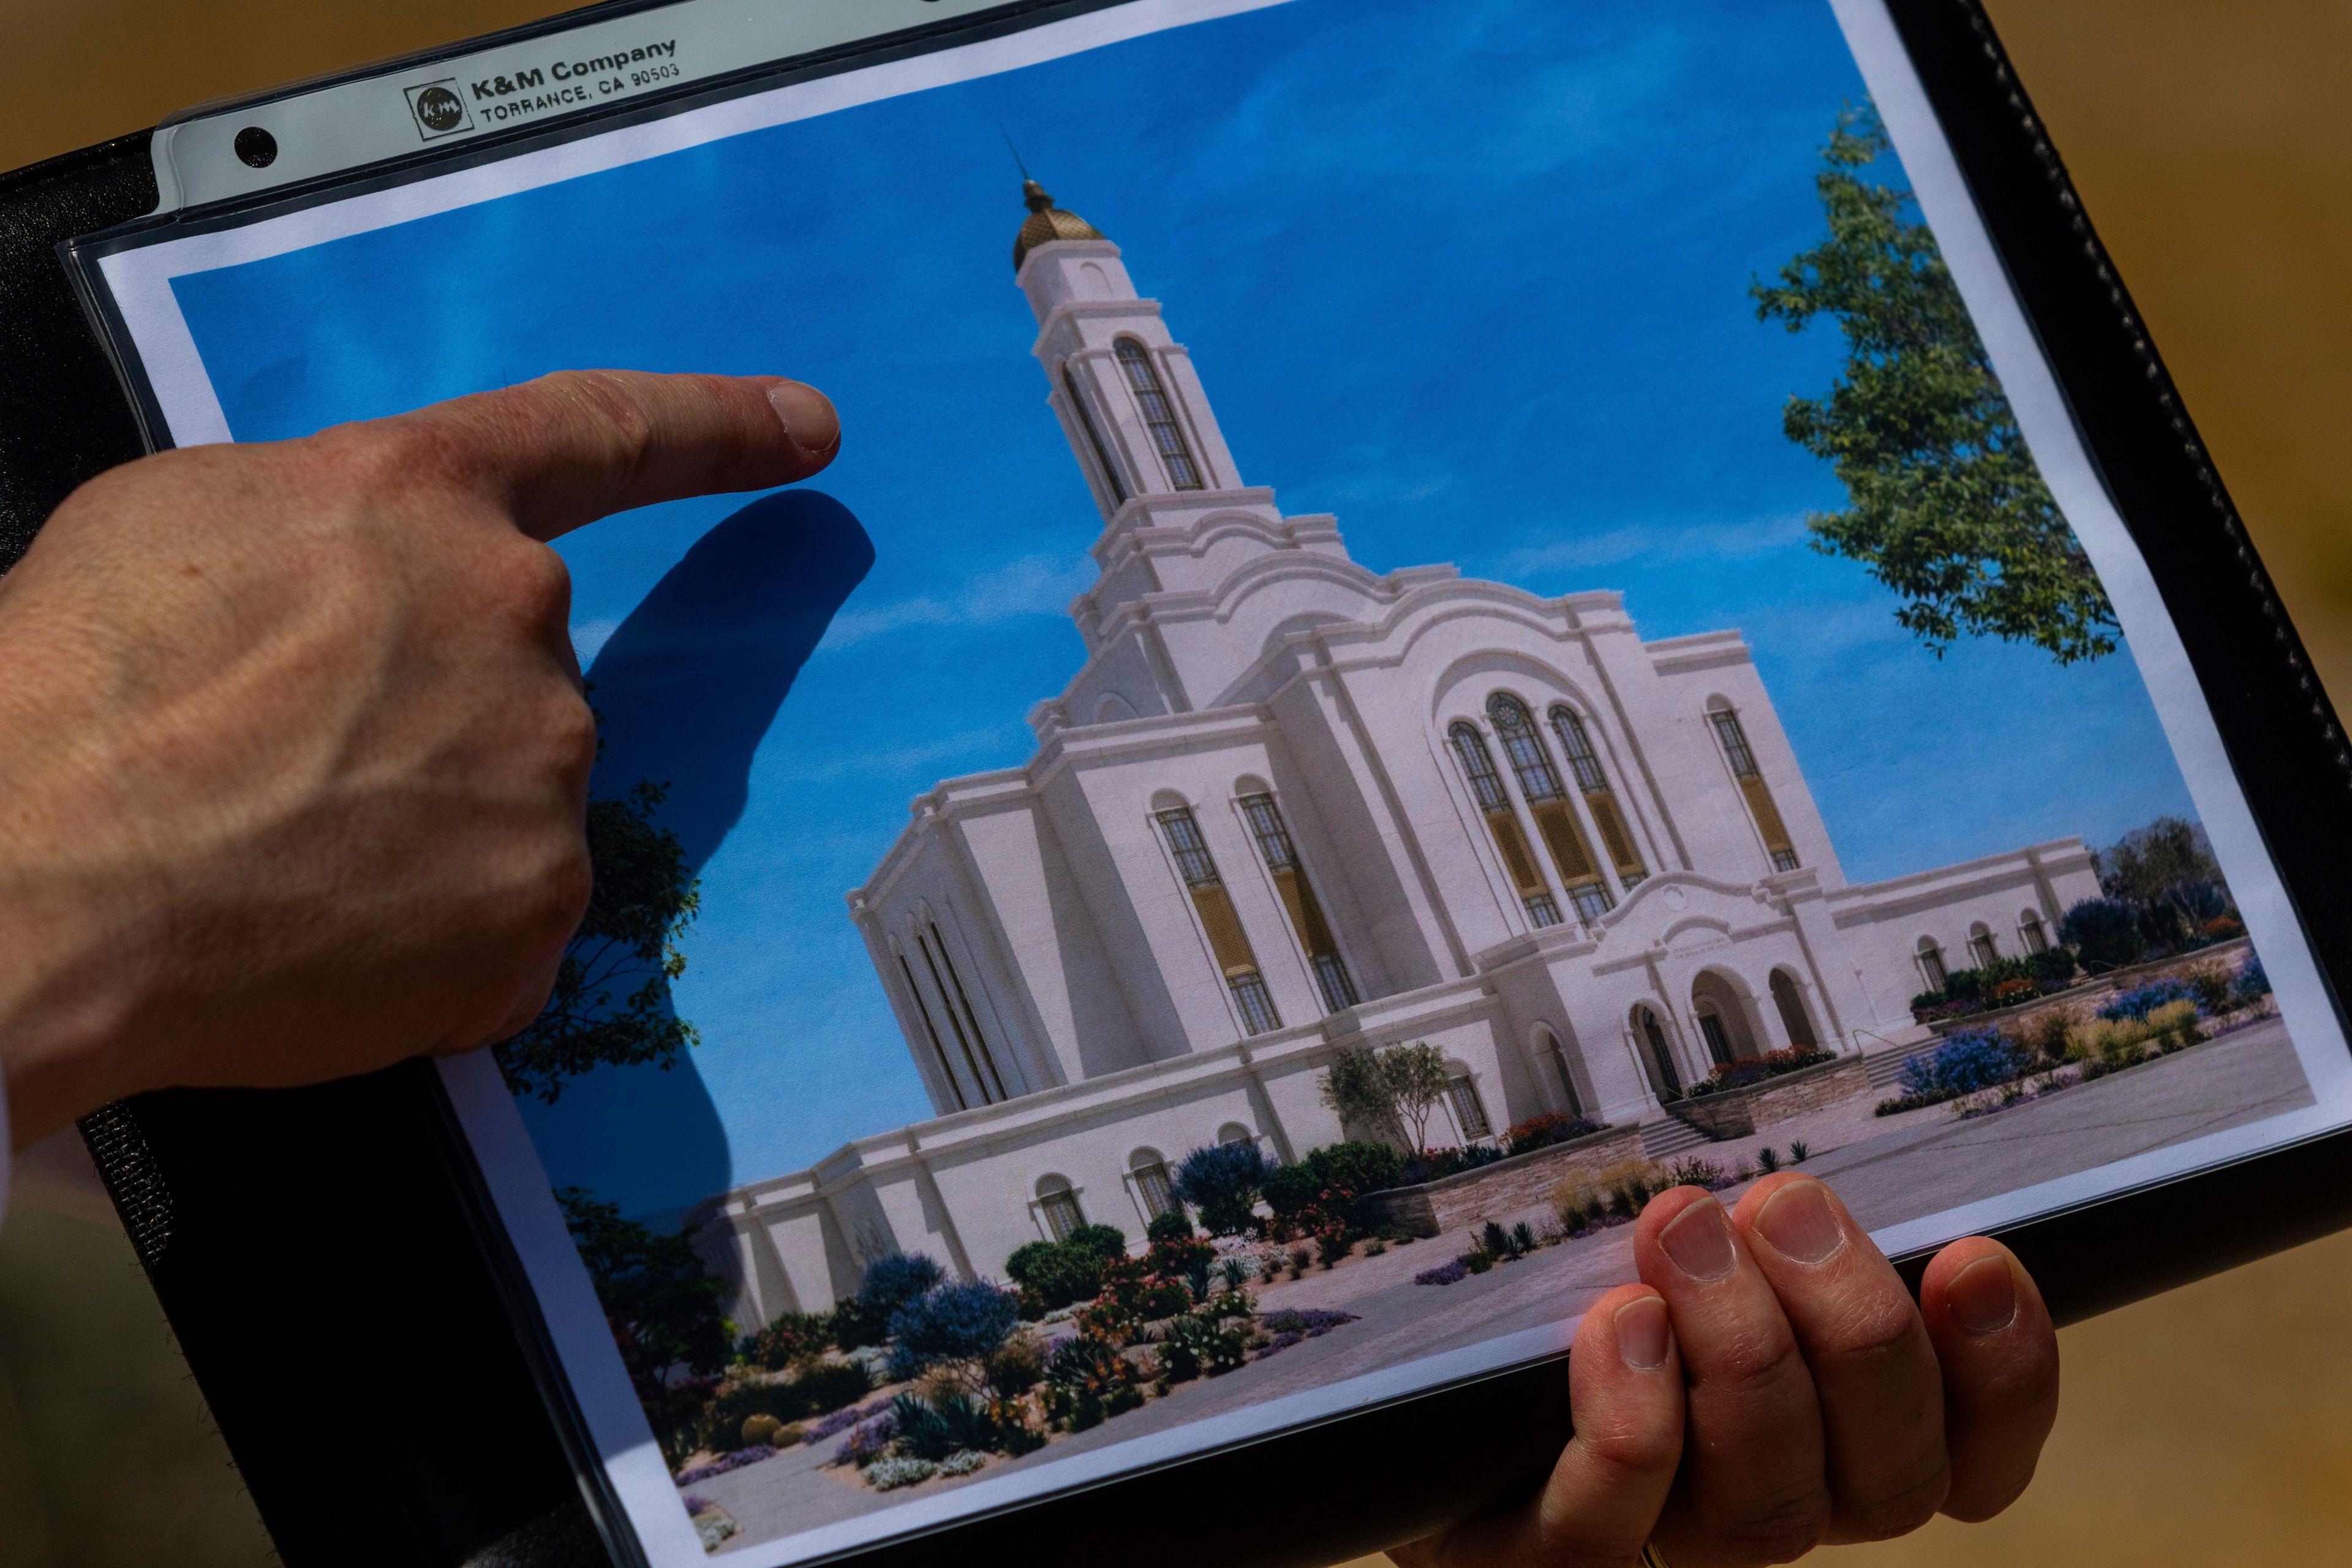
pixel 1601 1500
pixel 1999 1354
pixel 1874 1369
pixel 1752 1488
pixel 569 448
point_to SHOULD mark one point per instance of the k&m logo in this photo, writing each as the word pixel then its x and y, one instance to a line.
pixel 438 108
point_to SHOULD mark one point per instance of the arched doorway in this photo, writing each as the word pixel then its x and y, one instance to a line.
pixel 1722 1020
pixel 1790 1003
pixel 1649 1040
pixel 1549 1048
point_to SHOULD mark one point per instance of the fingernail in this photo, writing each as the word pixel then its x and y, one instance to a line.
pixel 1983 1296
pixel 1698 1242
pixel 1642 1333
pixel 1800 1224
pixel 808 416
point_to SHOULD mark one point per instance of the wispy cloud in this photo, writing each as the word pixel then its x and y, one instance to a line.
pixel 1033 585
pixel 836 762
pixel 1682 541
pixel 589 637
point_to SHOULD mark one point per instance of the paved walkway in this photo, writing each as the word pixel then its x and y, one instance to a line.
pixel 1888 1169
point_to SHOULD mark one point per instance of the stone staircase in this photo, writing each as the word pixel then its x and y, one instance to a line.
pixel 1669 1136
pixel 1885 1066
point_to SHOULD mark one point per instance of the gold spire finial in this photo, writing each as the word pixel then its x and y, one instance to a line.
pixel 1046 223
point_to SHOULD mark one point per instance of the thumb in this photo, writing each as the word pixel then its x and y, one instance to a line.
pixel 568 449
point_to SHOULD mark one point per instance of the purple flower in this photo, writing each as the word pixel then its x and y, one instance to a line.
pixel 841 1420
pixel 1444 1274
pixel 724 1463
pixel 695 1505
pixel 1280 1343
pixel 1310 1322
pixel 865 1444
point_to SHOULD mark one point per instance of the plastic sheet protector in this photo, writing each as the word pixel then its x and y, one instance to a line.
pixel 1431 617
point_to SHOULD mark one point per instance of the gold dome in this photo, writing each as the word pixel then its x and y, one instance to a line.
pixel 1047 222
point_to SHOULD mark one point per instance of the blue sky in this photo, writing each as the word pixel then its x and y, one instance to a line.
pixel 1471 275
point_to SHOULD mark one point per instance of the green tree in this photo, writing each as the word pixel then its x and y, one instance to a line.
pixel 2148 864
pixel 663 1308
pixel 1394 1091
pixel 646 896
pixel 1943 503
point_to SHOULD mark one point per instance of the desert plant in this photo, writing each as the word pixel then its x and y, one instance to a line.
pixel 2210 984
pixel 867 1441
pixel 2108 1045
pixel 1696 1171
pixel 1300 1257
pixel 1444 1274
pixel 1478 1260
pixel 2174 1025
pixel 1495 1242
pixel 1523 1238
pixel 2252 981
pixel 1768 1159
pixel 1233 1272
pixel 759 1429
pixel 1376 1247
pixel 1332 1245
pixel 888 1475
pixel 962 1462
pixel 2141 1000
pixel 891 1283
pixel 1799 1151
pixel 1013 1368
pixel 934 1429
pixel 962 1322
pixel 1223 1181
pixel 1200 1342
pixel 2044 1034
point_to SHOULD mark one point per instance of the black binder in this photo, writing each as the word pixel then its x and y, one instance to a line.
pixel 384 1381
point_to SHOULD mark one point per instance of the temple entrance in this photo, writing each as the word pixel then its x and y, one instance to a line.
pixel 1649 1038
pixel 1722 1020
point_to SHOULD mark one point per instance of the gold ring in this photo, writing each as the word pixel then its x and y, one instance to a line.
pixel 1651 1556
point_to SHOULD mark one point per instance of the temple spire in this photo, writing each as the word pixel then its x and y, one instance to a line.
pixel 1045 222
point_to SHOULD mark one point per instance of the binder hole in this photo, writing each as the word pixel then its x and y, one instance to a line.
pixel 256 147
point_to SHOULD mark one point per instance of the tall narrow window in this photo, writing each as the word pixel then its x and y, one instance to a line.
pixel 1469 1111
pixel 2030 932
pixel 1297 895
pixel 1058 1204
pixel 1599 798
pixel 963 1041
pixel 1981 947
pixel 1555 817
pixel 1159 416
pixel 1931 964
pixel 1653 1035
pixel 931 1029
pixel 1152 1188
pixel 1502 822
pixel 962 997
pixel 1228 942
pixel 1759 796
pixel 1710 1029
pixel 1094 437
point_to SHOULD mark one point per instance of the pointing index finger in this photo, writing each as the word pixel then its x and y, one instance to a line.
pixel 568 449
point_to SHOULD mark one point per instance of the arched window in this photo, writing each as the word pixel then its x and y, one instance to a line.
pixel 1502 822
pixel 2030 933
pixel 1599 798
pixel 1086 420
pixel 1234 1133
pixel 1153 1188
pixel 1298 901
pixel 1653 1036
pixel 1057 1204
pixel 1160 416
pixel 1790 1003
pixel 1555 818
pixel 1740 757
pixel 1981 948
pixel 1236 959
pixel 1469 1109
pixel 1931 963
pixel 1722 1017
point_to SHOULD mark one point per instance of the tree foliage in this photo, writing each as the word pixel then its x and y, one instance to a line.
pixel 1943 503
pixel 1394 1091
pixel 1222 1181
pixel 2149 864
pixel 661 1304
pixel 646 896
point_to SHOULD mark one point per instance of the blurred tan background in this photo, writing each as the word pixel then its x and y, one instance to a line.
pixel 2212 143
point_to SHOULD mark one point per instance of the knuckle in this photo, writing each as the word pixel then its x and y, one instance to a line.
pixel 533 580
pixel 1772 1531
pixel 1759 1356
pixel 1898 1507
pixel 1882 1324
pixel 1632 1449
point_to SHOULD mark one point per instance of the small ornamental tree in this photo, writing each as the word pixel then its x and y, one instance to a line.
pixel 611 1004
pixel 1944 504
pixel 1223 1181
pixel 1417 1080
pixel 663 1308
pixel 1393 1092
pixel 2105 932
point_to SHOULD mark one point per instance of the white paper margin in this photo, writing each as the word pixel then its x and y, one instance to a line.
pixel 139 280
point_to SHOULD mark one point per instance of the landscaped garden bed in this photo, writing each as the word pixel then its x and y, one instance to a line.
pixel 1736 1112
pixel 1511 1184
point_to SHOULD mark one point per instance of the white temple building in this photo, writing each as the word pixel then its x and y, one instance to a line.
pixel 1290 807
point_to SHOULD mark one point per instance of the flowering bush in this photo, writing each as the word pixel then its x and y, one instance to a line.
pixel 888 1475
pixel 2222 927
pixel 1444 1274
pixel 1083 1377
pixel 2251 982
pixel 2010 992
pixel 841 1421
pixel 1200 1342
pixel 1541 1131
pixel 1310 1322
pixel 1131 1297
pixel 2141 1000
pixel 791 1338
pixel 1749 1070
pixel 1963 1064
pixel 963 1321
pixel 962 1463
pixel 866 1442
pixel 891 1283
pixel 1222 1181
pixel 1431 1164
pixel 1283 1342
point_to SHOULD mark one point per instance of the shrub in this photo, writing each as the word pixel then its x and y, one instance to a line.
pixel 963 1321
pixel 1768 1159
pixel 2252 981
pixel 1432 1164
pixel 888 1475
pixel 857 1323
pixel 1107 1242
pixel 1477 1260
pixel 2011 993
pixel 1081 1376
pixel 1799 1151
pixel 891 1283
pixel 1376 1247
pixel 1223 1181
pixel 2210 984
pixel 2105 932
pixel 1131 1297
pixel 828 1385
pixel 1496 1243
pixel 1523 1237
pixel 1200 1342
pixel 1299 1258
pixel 962 1463
pixel 2044 1034
pixel 932 1431
pixel 2108 1044
pixel 1310 1322
pixel 1015 1368
pixel 2222 927
pixel 1173 1226
pixel 866 1441
pixel 2053 968
pixel 2174 1025
pixel 1696 1171
pixel 1543 1130
pixel 789 1340
pixel 1963 1063
pixel 1332 1245
pixel 841 1421
pixel 2141 1000
pixel 1583 1200
pixel 1749 1070
pixel 1444 1274
pixel 1233 1271
pixel 1058 1272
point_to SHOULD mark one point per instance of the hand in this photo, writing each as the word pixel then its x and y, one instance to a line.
pixel 293 755
pixel 1771 1388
